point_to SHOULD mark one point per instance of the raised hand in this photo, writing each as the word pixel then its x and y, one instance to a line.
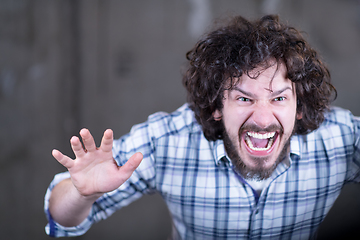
pixel 94 171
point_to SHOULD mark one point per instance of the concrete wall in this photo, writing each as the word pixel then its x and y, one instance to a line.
pixel 103 64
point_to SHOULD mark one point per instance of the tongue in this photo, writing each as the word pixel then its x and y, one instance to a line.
pixel 259 143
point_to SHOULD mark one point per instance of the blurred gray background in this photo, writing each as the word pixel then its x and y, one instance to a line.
pixel 68 64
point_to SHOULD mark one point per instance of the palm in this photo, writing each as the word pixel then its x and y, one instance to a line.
pixel 94 171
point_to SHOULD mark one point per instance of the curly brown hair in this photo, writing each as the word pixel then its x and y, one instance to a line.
pixel 241 46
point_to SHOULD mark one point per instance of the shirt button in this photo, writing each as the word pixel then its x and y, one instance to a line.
pixel 257 211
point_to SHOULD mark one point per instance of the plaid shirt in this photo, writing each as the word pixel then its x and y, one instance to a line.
pixel 208 200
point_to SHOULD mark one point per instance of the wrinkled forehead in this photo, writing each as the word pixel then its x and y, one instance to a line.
pixel 268 71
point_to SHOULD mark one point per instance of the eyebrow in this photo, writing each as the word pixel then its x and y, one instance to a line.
pixel 281 91
pixel 272 94
pixel 235 88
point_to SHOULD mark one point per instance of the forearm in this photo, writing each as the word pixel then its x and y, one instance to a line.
pixel 67 206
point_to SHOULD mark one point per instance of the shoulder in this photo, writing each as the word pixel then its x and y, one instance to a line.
pixel 339 116
pixel 181 121
pixel 339 124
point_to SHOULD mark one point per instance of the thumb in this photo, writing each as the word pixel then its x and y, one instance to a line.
pixel 129 167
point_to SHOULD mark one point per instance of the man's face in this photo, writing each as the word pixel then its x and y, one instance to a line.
pixel 259 117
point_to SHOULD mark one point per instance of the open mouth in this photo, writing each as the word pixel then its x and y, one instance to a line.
pixel 260 141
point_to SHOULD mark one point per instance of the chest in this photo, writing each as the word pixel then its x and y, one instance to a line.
pixel 209 199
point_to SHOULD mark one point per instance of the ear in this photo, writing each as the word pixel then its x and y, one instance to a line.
pixel 217 115
pixel 299 115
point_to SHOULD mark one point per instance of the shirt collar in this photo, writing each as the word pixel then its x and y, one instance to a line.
pixel 296 145
pixel 219 151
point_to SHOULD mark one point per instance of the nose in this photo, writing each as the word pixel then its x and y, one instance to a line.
pixel 263 115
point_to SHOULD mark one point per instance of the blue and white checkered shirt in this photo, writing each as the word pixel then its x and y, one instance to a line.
pixel 208 200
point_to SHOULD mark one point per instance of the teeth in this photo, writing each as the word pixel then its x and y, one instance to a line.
pixel 260 136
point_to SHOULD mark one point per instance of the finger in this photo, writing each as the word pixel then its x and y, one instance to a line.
pixel 107 141
pixel 88 140
pixel 62 159
pixel 129 167
pixel 77 147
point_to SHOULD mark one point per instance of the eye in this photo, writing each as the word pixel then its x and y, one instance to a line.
pixel 279 99
pixel 244 99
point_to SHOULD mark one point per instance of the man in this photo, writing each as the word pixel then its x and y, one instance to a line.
pixel 256 153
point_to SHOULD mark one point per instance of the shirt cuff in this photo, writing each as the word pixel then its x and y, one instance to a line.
pixel 54 229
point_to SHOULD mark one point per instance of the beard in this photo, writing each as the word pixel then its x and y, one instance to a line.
pixel 259 172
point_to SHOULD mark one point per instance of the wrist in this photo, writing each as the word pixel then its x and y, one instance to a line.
pixel 67 206
pixel 83 199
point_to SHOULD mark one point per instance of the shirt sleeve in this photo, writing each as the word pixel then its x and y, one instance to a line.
pixel 355 164
pixel 142 181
